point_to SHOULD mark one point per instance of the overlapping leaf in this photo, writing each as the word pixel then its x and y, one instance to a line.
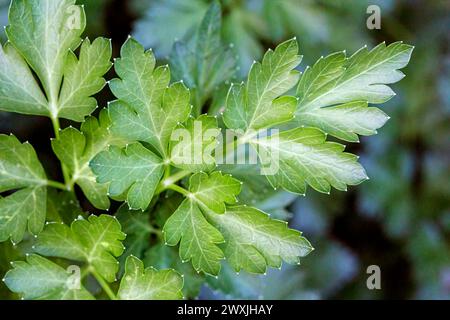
pixel 252 240
pixel 21 170
pixel 96 241
pixel 214 191
pixel 334 93
pixel 290 159
pixel 76 149
pixel 149 284
pixel 147 110
pixel 134 171
pixel 193 144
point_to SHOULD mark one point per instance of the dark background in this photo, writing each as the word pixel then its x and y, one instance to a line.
pixel 400 219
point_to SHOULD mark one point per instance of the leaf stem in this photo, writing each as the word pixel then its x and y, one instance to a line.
pixel 57 128
pixel 171 180
pixel 155 231
pixel 167 172
pixel 179 189
pixel 57 185
pixel 105 286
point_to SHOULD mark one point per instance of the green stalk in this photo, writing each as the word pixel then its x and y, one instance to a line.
pixel 105 286
pixel 57 128
pixel 164 185
pixel 179 189
pixel 57 185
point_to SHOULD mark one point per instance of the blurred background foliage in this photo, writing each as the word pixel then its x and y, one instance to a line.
pixel 399 220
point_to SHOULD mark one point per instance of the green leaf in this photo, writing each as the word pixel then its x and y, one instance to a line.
pixel 149 284
pixel 22 208
pixel 76 149
pixel 19 165
pixel 180 18
pixel 198 239
pixel 134 171
pixel 214 191
pixel 147 110
pixel 334 93
pixel 83 78
pixel 345 121
pixel 242 28
pixel 44 32
pixel 21 170
pixel 62 206
pixel 70 147
pixel 204 63
pixel 253 241
pixel 259 104
pixel 161 256
pixel 295 158
pixel 96 241
pixel 136 225
pixel 39 278
pixel 192 144
pixel 257 191
pixel 19 91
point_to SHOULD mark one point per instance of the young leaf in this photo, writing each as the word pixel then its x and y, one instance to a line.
pixel 253 241
pixel 96 241
pixel 334 93
pixel 39 278
pixel 259 104
pixel 76 149
pixel 214 191
pixel 204 63
pixel 198 239
pixel 147 110
pixel 83 78
pixel 192 144
pixel 149 284
pixel 21 170
pixel 302 156
pixel 134 171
